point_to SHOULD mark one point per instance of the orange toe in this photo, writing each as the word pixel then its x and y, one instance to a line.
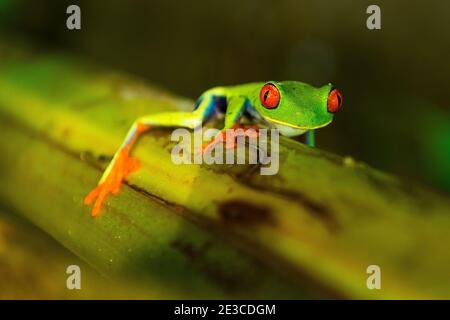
pixel 91 196
pixel 206 146
pixel 251 131
pixel 123 166
pixel 218 138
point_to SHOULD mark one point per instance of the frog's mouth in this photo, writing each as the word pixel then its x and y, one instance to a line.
pixel 293 126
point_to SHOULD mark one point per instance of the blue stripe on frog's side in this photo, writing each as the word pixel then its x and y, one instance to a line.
pixel 217 105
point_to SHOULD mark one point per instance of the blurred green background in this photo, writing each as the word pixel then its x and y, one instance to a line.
pixel 395 80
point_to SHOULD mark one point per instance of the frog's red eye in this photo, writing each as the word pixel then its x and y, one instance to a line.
pixel 269 96
pixel 334 101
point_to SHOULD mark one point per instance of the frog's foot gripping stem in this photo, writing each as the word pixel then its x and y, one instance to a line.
pixel 229 136
pixel 121 165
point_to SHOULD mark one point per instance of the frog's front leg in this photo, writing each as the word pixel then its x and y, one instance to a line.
pixel 235 108
pixel 309 138
pixel 122 164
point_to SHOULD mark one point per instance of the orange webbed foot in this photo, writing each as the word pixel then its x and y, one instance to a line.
pixel 122 166
pixel 229 136
pixel 221 136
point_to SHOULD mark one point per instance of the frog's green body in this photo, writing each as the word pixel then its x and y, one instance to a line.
pixel 301 106
pixel 291 107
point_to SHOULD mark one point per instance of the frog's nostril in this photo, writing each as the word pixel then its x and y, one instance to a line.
pixel 334 102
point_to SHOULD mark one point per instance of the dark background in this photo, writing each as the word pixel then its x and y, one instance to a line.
pixel 395 81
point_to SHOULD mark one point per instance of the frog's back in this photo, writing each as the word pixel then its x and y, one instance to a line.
pixel 221 94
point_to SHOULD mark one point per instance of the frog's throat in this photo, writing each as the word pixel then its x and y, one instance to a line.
pixel 297 127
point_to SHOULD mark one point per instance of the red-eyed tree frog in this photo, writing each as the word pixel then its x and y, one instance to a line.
pixel 292 107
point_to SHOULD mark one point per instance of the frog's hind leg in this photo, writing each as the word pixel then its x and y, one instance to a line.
pixel 122 164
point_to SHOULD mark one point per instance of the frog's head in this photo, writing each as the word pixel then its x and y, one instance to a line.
pixel 294 106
